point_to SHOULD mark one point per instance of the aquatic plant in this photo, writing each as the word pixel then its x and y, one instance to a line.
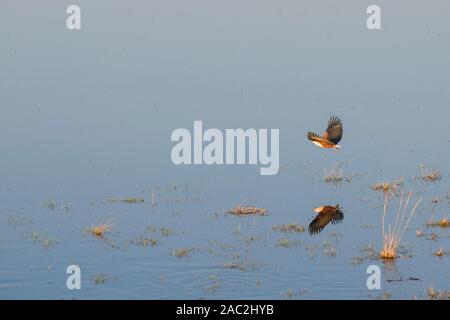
pixel 395 232
pixel 443 223
pixel 290 227
pixel 334 176
pixel 388 187
pixel 286 243
pixel 440 252
pixel 181 252
pixel 247 210
pixel 431 175
pixel 102 228
pixel 434 294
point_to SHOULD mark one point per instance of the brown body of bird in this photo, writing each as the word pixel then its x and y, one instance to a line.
pixel 326 214
pixel 331 137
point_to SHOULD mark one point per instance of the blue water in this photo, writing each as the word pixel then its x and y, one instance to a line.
pixel 87 115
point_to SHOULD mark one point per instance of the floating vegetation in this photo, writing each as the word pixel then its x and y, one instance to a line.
pixel 164 231
pixel 50 204
pixel 329 249
pixel 234 266
pixel 16 220
pixel 368 253
pixel 438 295
pixel 247 210
pixel 237 264
pixel 287 243
pixel 126 200
pixel 432 175
pixel 181 252
pixel 334 176
pixel 145 242
pixel 213 285
pixel 394 234
pixel 388 187
pixel 43 239
pixel 102 228
pixel 444 223
pixel 102 278
pixel 290 227
pixel 440 252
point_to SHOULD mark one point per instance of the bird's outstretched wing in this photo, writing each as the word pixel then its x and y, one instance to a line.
pixel 334 130
pixel 337 216
pixel 329 214
pixel 318 223
pixel 315 137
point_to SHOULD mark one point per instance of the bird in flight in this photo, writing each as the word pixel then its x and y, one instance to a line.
pixel 331 137
pixel 325 215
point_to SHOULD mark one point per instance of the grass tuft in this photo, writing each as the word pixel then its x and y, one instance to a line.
pixel 247 210
pixel 394 233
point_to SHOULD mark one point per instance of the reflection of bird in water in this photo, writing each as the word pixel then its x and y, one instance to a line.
pixel 331 137
pixel 326 214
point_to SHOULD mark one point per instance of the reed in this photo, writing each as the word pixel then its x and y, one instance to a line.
pixel 393 234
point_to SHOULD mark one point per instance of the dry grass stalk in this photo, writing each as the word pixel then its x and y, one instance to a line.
pixel 394 234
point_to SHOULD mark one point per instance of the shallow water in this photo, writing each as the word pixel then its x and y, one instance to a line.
pixel 86 116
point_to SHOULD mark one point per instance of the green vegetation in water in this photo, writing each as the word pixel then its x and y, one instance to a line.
pixel 181 252
pixel 289 227
pixel 127 200
pixel 287 243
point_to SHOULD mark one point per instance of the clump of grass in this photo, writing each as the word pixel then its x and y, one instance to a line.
pixel 50 204
pixel 368 253
pixel 127 200
pixel 289 227
pixel 102 278
pixel 145 242
pixel 394 234
pixel 286 243
pixel 329 249
pixel 133 200
pixel 101 229
pixel 434 294
pixel 440 252
pixel 430 175
pixel 443 223
pixel 334 176
pixel 43 239
pixel 247 210
pixel 388 187
pixel 181 252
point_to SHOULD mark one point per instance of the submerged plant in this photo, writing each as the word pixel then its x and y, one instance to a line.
pixel 394 233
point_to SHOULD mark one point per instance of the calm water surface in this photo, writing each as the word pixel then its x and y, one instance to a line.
pixel 86 116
